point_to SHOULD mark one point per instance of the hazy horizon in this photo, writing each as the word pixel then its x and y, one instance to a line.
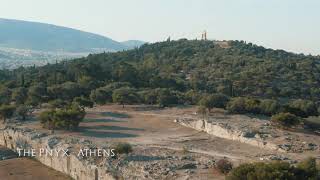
pixel 289 25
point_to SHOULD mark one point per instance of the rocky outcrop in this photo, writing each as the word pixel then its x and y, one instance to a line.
pixel 222 130
pixel 72 165
pixel 7 154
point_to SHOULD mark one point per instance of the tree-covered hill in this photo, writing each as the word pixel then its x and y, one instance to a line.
pixel 185 68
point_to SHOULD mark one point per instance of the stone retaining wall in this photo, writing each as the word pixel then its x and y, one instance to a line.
pixel 76 168
pixel 218 129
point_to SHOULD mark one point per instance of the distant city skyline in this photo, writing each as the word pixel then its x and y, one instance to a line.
pixel 279 24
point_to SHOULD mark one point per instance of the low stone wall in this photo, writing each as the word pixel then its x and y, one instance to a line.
pixel 76 168
pixel 222 131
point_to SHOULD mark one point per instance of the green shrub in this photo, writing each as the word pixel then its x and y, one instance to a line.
pixel 83 102
pixel 307 168
pixel 19 95
pixel 252 105
pixel 192 96
pixel 47 118
pixel 275 170
pixel 214 101
pixel 303 108
pixel 125 95
pixel 148 96
pixel 23 111
pixel 241 172
pixel 243 105
pixel 166 97
pixel 162 96
pixel 58 103
pixel 68 118
pixel 5 95
pixel 237 105
pixel 224 166
pixel 289 109
pixel 65 91
pixel 37 94
pixel 123 148
pixel 269 107
pixel 285 119
pixel 262 171
pixel 101 95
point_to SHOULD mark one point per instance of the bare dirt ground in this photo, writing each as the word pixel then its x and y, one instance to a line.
pixel 160 142
pixel 26 169
pixel 154 127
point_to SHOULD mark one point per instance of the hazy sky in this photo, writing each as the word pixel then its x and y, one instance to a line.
pixel 293 25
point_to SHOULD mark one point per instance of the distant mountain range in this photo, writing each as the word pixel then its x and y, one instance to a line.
pixel 28 43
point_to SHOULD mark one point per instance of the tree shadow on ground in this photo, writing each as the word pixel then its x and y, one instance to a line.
pixel 28 120
pixel 100 120
pixel 147 108
pixel 103 134
pixel 116 128
pixel 115 115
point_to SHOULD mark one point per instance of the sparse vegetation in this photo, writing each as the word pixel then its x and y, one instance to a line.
pixel 185 150
pixel 224 166
pixel 214 101
pixel 83 102
pixel 276 170
pixel 123 148
pixel 303 108
pixel 269 107
pixel 57 103
pixel 312 123
pixel 202 111
pixel 244 105
pixel 124 96
pixel 285 119
pixel 19 95
pixel 23 111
